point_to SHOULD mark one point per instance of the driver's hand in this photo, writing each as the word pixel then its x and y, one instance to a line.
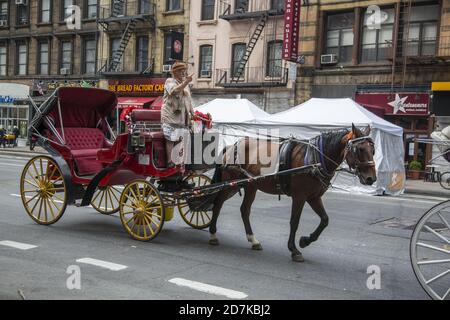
pixel 189 78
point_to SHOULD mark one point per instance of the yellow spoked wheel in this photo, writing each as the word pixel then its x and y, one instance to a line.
pixel 142 210
pixel 106 200
pixel 43 190
pixel 196 219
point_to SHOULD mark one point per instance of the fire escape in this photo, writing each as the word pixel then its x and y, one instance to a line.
pixel 116 19
pixel 400 50
pixel 261 13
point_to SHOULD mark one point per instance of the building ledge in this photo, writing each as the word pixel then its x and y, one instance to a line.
pixel 250 15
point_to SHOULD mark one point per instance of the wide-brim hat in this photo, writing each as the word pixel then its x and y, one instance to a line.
pixel 179 66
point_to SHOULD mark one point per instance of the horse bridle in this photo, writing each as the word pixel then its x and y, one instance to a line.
pixel 351 147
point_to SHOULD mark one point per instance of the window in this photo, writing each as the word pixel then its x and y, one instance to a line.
pixel 241 6
pixel 173 5
pixel 208 8
pixel 142 53
pixel 206 54
pixel 115 47
pixel 144 6
pixel 167 47
pixel 22 58
pixel 277 5
pixel 91 9
pixel 376 44
pixel 4 11
pixel 66 55
pixel 340 36
pixel 3 54
pixel 44 15
pixel 420 39
pixel 118 8
pixel 274 59
pixel 43 58
pixel 90 52
pixel 65 11
pixel 22 15
pixel 238 54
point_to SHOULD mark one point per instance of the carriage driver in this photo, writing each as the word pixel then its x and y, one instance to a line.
pixel 177 112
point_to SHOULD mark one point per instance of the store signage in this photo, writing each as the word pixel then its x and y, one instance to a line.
pixel 291 30
pixel 177 46
pixel 398 104
pixel 6 99
pixel 12 92
pixel 138 87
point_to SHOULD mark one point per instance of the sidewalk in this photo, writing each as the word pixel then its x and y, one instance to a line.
pixel 22 151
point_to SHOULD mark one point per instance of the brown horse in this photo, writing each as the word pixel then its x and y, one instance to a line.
pixel 329 149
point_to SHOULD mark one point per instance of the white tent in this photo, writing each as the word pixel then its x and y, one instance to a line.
pixel 317 115
pixel 233 111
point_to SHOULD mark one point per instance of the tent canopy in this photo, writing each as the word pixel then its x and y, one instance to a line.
pixel 330 113
pixel 233 111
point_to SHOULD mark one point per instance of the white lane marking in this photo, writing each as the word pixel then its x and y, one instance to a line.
pixel 104 264
pixel 11 164
pixel 207 288
pixel 17 245
pixel 29 197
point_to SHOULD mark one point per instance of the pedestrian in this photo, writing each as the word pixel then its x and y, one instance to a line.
pixel 16 133
pixel 177 113
pixel 2 136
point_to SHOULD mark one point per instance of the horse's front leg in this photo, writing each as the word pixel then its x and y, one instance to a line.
pixel 296 212
pixel 250 193
pixel 317 205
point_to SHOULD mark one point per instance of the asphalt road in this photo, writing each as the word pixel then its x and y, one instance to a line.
pixel 363 231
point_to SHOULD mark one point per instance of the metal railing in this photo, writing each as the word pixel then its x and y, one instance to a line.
pixel 228 7
pixel 253 76
pixel 131 8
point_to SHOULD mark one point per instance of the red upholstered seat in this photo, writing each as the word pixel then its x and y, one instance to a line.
pixel 84 144
pixel 147 115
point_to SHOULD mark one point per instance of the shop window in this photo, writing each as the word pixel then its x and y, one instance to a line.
pixel 208 7
pixel 206 56
pixel 339 39
pixel 376 43
pixel 422 124
pixel 420 39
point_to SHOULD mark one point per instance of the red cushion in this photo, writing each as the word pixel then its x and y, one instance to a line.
pixel 88 166
pixel 146 115
pixel 83 138
pixel 85 153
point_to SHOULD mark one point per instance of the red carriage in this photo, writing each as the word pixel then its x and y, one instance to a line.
pixel 88 165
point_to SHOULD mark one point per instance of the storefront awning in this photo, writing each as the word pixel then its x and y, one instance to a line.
pixel 137 102
pixel 379 111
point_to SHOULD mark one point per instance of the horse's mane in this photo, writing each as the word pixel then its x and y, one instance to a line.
pixel 333 138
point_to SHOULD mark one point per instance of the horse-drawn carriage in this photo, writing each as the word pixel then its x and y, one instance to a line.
pixel 88 165
pixel 430 242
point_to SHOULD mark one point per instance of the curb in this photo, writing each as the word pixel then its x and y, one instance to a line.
pixel 22 154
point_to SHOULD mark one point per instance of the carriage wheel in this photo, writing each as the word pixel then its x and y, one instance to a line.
pixel 106 200
pixel 445 180
pixel 43 190
pixel 430 251
pixel 196 219
pixel 142 210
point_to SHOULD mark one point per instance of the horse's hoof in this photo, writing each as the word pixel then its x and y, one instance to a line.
pixel 304 242
pixel 214 242
pixel 298 258
pixel 257 247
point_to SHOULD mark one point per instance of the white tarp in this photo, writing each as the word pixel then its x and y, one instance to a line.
pixel 309 120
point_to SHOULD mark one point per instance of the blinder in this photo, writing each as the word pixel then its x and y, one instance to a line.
pixel 352 146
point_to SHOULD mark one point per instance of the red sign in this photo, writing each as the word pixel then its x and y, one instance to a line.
pixel 399 104
pixel 138 87
pixel 291 30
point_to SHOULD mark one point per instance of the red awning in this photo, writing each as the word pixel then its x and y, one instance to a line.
pixel 137 102
pixel 379 111
pixel 158 104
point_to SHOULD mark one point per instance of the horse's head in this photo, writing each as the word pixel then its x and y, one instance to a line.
pixel 359 155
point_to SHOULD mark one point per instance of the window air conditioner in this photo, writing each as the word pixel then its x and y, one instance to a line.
pixel 64 71
pixel 328 59
pixel 167 68
pixel 21 2
pixel 205 73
